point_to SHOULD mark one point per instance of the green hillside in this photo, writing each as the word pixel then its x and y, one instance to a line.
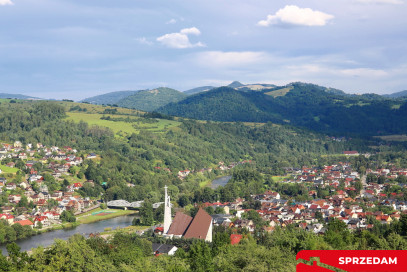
pixel 109 98
pixel 223 104
pixel 300 104
pixel 199 90
pixel 402 94
pixel 150 100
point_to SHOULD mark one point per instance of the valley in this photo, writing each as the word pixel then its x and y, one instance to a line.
pixel 282 181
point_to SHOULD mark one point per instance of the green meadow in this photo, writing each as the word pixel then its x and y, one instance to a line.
pixel 92 215
pixel 122 128
pixel 8 170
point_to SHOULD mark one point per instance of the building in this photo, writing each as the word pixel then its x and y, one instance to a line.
pixel 164 249
pixel 351 153
pixel 167 211
pixel 198 227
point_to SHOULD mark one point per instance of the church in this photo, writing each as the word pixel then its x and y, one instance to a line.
pixel 199 227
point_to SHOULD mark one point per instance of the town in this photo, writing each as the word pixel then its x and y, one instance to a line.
pixel 348 197
pixel 337 191
pixel 25 172
pixel 350 200
pixel 359 200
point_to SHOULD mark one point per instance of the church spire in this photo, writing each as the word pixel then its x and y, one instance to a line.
pixel 167 211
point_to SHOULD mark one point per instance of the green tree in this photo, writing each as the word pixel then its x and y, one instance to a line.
pixel 200 256
pixel 337 234
pixel 358 186
pixel 146 214
pixel 67 216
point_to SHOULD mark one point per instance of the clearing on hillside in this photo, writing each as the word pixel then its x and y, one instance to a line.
pixel 280 92
pixel 393 138
pixel 123 128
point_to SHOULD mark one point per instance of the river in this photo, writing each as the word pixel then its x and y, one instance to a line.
pixel 222 181
pixel 47 238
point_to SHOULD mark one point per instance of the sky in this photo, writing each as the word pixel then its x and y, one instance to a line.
pixel 77 49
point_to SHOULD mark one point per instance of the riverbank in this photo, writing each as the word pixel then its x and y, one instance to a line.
pixel 208 182
pixel 47 237
pixel 89 217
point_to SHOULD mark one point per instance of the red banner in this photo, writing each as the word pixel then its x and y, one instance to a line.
pixel 352 260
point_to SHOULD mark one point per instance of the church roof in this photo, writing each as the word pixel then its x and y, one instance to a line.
pixel 179 224
pixel 199 226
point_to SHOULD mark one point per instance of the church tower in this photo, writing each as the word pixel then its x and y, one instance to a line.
pixel 167 211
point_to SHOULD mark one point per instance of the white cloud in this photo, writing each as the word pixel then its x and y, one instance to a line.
pixel 292 15
pixel 393 2
pixel 192 31
pixel 172 21
pixel 306 69
pixel 233 59
pixel 5 2
pixel 364 72
pixel 143 40
pixel 180 39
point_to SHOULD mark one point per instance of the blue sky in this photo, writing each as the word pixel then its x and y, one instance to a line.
pixel 76 49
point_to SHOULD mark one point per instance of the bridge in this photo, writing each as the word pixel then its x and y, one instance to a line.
pixel 124 204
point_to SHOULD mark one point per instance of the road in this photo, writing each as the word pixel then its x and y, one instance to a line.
pixel 364 183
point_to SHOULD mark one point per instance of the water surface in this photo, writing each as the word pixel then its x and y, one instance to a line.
pixel 222 181
pixel 47 238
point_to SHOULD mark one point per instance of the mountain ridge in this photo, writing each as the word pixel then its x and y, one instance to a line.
pixel 198 90
pixel 396 94
pixel 108 98
pixel 150 100
pixel 17 96
pixel 303 104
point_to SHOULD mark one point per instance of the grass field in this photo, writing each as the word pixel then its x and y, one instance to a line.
pixel 393 138
pixel 121 127
pixel 72 179
pixel 129 229
pixel 97 108
pixel 280 92
pixel 92 216
pixel 279 178
pixel 8 170
pixel 205 183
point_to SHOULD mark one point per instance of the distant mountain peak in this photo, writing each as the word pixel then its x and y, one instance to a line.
pixel 235 84
pixel 155 91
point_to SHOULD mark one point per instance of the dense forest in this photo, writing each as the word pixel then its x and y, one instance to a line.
pixel 304 105
pixel 140 158
pixel 150 100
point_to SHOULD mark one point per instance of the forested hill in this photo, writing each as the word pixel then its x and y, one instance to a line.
pixel 224 104
pixel 299 104
pixel 191 145
pixel 150 100
pixel 109 98
pixel 17 96
pixel 402 94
